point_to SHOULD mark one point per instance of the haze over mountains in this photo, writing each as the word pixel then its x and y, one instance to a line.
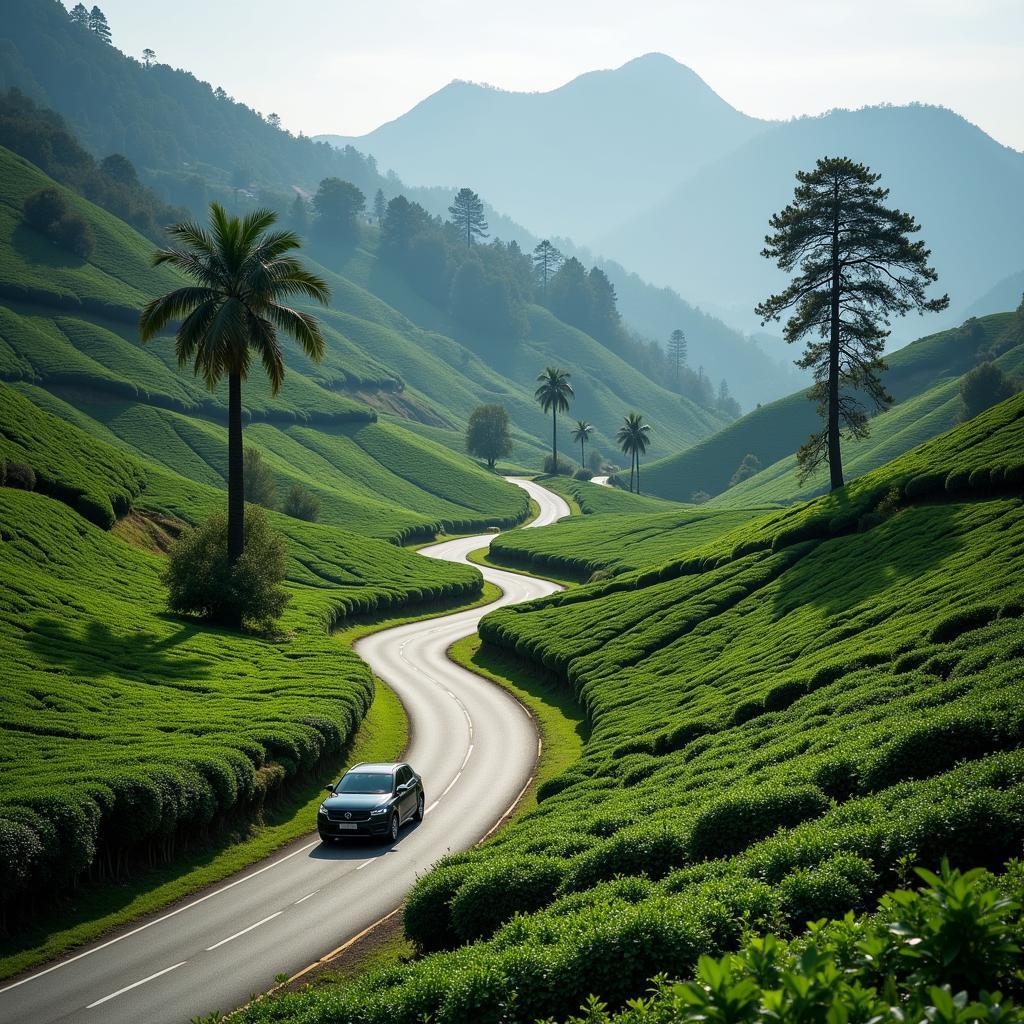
pixel 648 166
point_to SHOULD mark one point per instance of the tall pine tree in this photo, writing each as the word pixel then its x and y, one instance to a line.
pixel 380 207
pixel 98 24
pixel 80 15
pixel 546 260
pixel 676 350
pixel 856 267
pixel 467 213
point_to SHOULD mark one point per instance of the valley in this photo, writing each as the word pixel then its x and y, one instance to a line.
pixel 645 468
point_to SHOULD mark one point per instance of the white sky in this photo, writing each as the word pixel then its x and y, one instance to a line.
pixel 346 66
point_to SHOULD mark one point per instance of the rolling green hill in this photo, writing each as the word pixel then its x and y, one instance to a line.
pixel 926 371
pixel 170 729
pixel 782 719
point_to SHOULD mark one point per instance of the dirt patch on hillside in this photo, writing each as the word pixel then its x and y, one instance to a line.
pixel 149 531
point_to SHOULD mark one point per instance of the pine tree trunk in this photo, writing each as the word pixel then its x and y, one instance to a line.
pixel 236 483
pixel 835 455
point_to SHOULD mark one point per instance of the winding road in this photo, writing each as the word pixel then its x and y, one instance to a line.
pixel 475 747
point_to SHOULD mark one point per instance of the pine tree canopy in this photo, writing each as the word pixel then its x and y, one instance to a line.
pixel 467 213
pixel 855 267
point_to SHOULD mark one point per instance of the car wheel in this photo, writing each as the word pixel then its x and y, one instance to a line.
pixel 419 809
pixel 393 832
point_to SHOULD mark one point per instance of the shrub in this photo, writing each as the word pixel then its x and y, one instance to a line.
pixel 20 475
pixel 503 888
pixel 260 488
pixel 984 386
pixel 564 468
pixel 699 497
pixel 44 208
pixel 650 850
pixel 72 232
pixel 428 913
pixel 731 824
pixel 200 582
pixel 750 465
pixel 829 889
pixel 302 504
pixel 583 474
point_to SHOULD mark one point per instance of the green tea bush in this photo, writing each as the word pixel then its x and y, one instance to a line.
pixel 491 896
pixel 842 883
pixel 732 823
pixel 428 910
pixel 645 849
pixel 201 582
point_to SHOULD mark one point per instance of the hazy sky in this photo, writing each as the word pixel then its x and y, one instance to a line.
pixel 346 66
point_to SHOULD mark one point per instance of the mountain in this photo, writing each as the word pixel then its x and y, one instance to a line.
pixel 575 161
pixel 965 189
pixel 1004 294
pixel 924 379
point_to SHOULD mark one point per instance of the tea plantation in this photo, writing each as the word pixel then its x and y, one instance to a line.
pixel 783 720
pixel 125 732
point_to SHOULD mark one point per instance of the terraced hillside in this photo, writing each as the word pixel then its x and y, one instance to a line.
pixel 167 728
pixel 782 720
pixel 923 378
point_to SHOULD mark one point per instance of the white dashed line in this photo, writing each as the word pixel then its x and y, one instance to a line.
pixel 217 945
pixel 306 897
pixel 135 984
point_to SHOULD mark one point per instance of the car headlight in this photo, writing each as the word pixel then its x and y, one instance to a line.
pixel 323 809
pixel 379 810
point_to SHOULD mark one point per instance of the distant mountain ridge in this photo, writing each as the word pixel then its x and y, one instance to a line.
pixel 577 160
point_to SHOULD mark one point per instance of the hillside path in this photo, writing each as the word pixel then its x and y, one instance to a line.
pixel 476 749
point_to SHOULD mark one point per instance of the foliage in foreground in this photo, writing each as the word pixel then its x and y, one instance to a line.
pixel 947 953
pixel 201 582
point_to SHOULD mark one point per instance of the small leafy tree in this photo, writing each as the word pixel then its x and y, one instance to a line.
pixel 554 393
pixel 120 168
pixel 202 580
pixel 148 57
pixel 700 497
pixel 581 435
pixel 856 267
pixel 338 205
pixel 44 208
pixel 984 386
pixel 487 435
pixel 467 214
pixel 260 488
pixel 748 467
pixel 274 120
pixel 302 504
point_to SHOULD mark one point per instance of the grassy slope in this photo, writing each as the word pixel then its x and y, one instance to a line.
pixel 781 719
pixel 775 431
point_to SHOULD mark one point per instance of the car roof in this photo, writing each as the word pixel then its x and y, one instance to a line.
pixel 380 767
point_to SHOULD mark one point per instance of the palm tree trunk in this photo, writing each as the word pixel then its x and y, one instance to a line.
pixel 236 484
pixel 632 463
pixel 583 454
pixel 554 441
pixel 637 457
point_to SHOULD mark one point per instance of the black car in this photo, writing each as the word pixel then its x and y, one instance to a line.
pixel 371 800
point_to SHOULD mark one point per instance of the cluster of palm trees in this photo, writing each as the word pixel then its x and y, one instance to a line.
pixel 555 394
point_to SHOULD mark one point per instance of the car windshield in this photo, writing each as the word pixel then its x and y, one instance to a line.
pixel 365 782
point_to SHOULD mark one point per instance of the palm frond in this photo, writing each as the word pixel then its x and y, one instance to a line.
pixel 158 313
pixel 263 338
pixel 303 327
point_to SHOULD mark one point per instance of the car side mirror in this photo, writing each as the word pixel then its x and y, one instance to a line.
pixel 330 789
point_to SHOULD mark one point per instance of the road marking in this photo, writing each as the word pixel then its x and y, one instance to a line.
pixel 432 806
pixel 365 862
pixel 466 758
pixel 217 945
pixel 136 984
pixel 166 917
pixel 306 897
pixel 449 786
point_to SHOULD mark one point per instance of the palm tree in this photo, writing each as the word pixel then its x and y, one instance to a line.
pixel 582 434
pixel 632 437
pixel 241 273
pixel 554 393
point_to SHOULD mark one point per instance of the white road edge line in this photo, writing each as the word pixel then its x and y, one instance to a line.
pixel 466 758
pixel 136 984
pixel 449 786
pixel 306 897
pixel 217 945
pixel 365 862
pixel 432 806
pixel 160 920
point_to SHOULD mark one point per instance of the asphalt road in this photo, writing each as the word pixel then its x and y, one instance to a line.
pixel 473 744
